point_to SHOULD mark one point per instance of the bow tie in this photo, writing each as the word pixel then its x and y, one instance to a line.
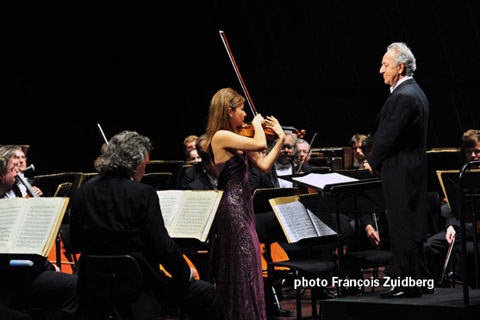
pixel 280 166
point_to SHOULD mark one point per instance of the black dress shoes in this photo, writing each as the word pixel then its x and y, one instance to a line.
pixel 397 292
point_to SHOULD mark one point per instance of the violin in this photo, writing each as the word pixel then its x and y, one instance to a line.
pixel 247 130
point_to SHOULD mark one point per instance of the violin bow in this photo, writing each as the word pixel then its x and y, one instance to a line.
pixel 101 132
pixel 237 71
pixel 309 153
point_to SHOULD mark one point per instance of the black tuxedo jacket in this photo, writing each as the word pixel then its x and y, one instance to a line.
pixel 116 215
pixel 399 153
pixel 195 178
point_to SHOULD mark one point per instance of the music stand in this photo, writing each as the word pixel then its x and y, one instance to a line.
pixel 262 195
pixel 357 181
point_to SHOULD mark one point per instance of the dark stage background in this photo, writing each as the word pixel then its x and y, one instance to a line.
pixel 153 69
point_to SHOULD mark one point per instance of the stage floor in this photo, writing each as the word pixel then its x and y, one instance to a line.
pixel 444 303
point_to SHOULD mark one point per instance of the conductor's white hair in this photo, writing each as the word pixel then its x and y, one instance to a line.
pixel 404 55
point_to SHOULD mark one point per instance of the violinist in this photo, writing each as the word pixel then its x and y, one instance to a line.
pixel 285 164
pixel 236 258
pixel 303 151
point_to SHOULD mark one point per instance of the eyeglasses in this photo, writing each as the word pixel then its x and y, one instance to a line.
pixel 470 151
pixel 287 146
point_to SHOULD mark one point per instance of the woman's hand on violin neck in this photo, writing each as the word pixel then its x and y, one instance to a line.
pixel 272 122
pixel 258 120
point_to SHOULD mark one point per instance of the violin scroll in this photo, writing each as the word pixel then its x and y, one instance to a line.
pixel 300 133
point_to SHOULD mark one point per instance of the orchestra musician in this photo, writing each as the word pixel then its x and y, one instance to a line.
pixel 192 157
pixel 19 189
pixel 284 166
pixel 235 250
pixel 189 143
pixel 113 213
pixel 303 151
pixel 436 245
pixel 200 176
pixel 399 157
pixel 49 292
pixel 356 142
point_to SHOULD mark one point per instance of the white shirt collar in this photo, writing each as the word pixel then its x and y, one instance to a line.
pixel 283 167
pixel 399 82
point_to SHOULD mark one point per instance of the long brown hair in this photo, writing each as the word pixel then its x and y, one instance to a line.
pixel 218 116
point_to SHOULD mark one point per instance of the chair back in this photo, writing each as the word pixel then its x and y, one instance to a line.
pixel 109 277
pixel 50 183
pixel 63 189
pixel 175 167
pixel 158 180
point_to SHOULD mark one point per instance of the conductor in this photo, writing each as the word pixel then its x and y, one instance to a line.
pixel 398 156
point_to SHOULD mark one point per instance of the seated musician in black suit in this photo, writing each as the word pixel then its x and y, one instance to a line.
pixel 200 176
pixel 302 151
pixel 356 142
pixel 436 245
pixel 115 214
pixel 18 189
pixel 45 290
pixel 21 154
pixel 284 166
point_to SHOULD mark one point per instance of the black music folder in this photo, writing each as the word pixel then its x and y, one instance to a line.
pixel 449 181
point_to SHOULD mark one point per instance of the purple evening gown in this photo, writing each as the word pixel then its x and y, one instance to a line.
pixel 237 268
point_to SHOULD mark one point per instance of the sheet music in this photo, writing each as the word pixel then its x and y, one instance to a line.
pixel 169 203
pixel 9 223
pixel 195 214
pixel 37 227
pixel 189 213
pixel 30 225
pixel 321 228
pixel 320 180
pixel 295 221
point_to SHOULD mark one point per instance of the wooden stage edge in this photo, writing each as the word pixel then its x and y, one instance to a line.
pixel 444 303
